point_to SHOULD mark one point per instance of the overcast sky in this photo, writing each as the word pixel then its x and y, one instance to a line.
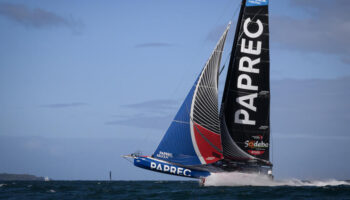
pixel 82 83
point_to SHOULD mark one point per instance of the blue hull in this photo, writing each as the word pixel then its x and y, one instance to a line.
pixel 167 168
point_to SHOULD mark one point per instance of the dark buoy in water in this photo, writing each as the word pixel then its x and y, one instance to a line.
pixel 110 175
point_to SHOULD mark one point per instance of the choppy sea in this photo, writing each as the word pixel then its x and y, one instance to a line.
pixel 171 190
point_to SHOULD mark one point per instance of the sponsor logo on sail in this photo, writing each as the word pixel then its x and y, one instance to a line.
pixel 170 169
pixel 251 46
pixel 257 2
pixel 256 144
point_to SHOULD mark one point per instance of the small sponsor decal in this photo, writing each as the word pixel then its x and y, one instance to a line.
pixel 257 2
pixel 257 137
pixel 255 152
pixel 165 155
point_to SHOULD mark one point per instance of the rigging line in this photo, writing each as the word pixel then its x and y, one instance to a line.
pixel 181 81
pixel 182 77
pixel 236 11
pixel 240 36
pixel 223 67
pixel 229 55
pixel 231 19
pixel 128 160
pixel 224 11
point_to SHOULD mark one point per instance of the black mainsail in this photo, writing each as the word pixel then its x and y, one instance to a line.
pixel 245 108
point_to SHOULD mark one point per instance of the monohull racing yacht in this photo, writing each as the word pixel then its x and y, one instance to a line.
pixel 203 139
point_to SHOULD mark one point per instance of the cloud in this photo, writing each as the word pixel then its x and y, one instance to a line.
pixel 64 105
pixel 326 30
pixel 153 44
pixel 144 121
pixel 155 105
pixel 154 114
pixel 37 18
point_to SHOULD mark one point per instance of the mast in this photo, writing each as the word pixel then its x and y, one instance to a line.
pixel 245 108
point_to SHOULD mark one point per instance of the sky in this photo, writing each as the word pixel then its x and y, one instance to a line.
pixel 84 82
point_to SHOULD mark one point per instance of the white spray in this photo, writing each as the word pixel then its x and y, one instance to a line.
pixel 243 179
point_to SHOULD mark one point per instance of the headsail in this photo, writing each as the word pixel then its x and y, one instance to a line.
pixel 193 137
pixel 245 116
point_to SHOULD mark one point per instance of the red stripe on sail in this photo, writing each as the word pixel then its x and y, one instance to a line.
pixel 208 152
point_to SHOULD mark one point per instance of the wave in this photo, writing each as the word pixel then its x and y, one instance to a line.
pixel 244 179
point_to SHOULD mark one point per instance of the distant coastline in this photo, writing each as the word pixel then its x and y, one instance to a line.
pixel 21 177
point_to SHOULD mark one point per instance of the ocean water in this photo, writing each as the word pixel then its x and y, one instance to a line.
pixel 172 190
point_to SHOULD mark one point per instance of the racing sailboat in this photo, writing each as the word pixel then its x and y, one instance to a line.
pixel 203 139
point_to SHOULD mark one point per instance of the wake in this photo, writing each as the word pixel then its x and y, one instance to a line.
pixel 242 179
